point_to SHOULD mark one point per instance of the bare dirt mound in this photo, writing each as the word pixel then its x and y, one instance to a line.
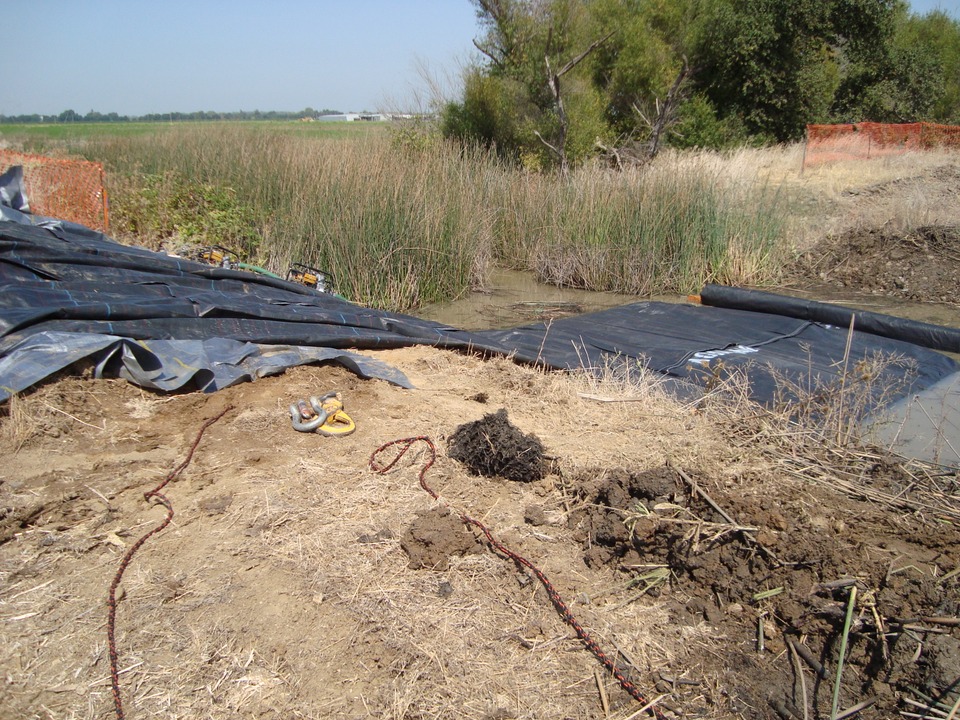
pixel 783 586
pixel 921 265
pixel 294 581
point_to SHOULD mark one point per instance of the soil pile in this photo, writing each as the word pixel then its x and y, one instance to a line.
pixel 921 265
pixel 493 447
pixel 773 566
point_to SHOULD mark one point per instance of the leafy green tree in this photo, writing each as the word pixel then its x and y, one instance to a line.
pixel 533 99
pixel 562 78
pixel 643 56
pixel 489 112
pixel 772 64
pixel 885 78
pixel 937 36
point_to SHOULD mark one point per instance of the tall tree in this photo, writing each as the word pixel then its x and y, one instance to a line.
pixel 937 37
pixel 562 78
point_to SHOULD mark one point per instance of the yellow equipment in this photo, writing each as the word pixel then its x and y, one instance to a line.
pixel 324 415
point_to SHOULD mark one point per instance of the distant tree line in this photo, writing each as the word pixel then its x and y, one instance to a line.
pixel 70 116
pixel 562 80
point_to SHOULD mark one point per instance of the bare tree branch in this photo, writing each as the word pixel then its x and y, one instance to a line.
pixel 553 81
pixel 551 148
pixel 489 53
pixel 579 58
pixel 666 115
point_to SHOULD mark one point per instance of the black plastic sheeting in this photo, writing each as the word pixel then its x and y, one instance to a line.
pixel 68 293
pixel 172 323
pixel 936 337
pixel 700 345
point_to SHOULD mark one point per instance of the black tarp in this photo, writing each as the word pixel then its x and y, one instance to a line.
pixel 67 293
pixel 700 344
pixel 69 282
pixel 935 337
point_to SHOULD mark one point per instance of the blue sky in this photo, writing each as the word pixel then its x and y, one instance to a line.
pixel 135 57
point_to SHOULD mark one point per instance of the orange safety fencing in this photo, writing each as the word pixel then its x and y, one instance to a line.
pixel 828 143
pixel 61 188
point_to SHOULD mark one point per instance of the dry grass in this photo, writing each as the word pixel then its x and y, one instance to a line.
pixel 814 433
pixel 17 424
pixel 282 589
pixel 402 225
pixel 830 198
pixel 30 416
pixel 836 197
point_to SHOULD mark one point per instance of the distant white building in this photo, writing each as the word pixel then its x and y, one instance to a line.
pixel 354 117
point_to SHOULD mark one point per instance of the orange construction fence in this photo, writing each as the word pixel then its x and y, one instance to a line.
pixel 827 143
pixel 63 189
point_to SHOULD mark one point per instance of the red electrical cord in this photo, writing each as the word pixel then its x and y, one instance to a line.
pixel 112 597
pixel 568 617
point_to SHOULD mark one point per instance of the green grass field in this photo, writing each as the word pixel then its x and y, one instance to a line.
pixel 47 136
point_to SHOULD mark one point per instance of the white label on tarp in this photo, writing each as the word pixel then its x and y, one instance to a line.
pixel 704 358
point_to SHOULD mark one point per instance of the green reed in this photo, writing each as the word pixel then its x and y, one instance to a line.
pixel 401 224
pixel 394 227
pixel 668 228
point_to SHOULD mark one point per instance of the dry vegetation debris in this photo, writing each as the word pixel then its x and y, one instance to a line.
pixel 684 540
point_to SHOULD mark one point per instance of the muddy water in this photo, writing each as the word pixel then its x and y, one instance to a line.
pixel 516 298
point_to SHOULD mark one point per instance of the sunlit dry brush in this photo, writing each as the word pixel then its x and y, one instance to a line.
pixel 404 224
pixel 670 226
pixel 830 198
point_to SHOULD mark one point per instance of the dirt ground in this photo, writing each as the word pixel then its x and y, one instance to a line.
pixel 922 265
pixel 881 255
pixel 725 565
pixel 296 581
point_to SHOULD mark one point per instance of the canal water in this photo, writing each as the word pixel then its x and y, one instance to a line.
pixel 516 298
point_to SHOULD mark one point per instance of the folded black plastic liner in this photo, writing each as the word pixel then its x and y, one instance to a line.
pixel 68 294
pixel 936 337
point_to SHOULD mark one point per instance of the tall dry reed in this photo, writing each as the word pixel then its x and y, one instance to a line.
pixel 402 224
pixel 396 228
pixel 671 226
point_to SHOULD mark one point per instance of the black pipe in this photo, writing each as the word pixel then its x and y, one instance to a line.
pixel 935 337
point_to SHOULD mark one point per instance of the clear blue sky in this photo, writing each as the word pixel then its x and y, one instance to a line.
pixel 152 56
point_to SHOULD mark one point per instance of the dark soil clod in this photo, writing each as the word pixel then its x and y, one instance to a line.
pixel 624 522
pixel 493 447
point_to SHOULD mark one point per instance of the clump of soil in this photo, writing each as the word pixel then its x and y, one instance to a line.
pixel 434 536
pixel 600 522
pixel 921 265
pixel 782 586
pixel 493 446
